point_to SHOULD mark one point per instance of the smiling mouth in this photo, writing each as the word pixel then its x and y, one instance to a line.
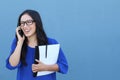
pixel 26 31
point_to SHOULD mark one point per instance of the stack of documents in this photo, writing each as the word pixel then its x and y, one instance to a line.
pixel 52 56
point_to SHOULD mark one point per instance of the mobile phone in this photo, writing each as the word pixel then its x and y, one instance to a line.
pixel 21 32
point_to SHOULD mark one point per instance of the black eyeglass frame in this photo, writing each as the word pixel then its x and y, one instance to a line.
pixel 27 22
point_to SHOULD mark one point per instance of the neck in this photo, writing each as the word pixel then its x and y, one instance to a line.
pixel 32 41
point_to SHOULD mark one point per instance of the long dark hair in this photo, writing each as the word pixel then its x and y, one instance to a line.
pixel 41 35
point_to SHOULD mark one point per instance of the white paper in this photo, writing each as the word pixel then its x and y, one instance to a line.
pixel 52 56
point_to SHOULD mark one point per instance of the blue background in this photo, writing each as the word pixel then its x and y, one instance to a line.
pixel 88 31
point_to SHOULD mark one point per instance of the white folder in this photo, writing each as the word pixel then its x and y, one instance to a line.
pixel 52 56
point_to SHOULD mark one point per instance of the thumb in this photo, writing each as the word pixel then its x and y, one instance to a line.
pixel 37 60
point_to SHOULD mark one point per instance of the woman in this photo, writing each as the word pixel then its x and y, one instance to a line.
pixel 22 54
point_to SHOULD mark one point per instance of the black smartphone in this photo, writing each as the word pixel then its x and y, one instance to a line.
pixel 21 32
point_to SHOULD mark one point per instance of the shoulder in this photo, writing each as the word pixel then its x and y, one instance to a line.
pixel 52 41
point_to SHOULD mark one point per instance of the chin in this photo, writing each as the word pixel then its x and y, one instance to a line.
pixel 30 35
pixel 27 35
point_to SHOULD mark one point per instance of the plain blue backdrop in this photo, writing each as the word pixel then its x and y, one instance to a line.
pixel 88 31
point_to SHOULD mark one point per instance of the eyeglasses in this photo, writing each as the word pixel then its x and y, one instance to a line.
pixel 28 23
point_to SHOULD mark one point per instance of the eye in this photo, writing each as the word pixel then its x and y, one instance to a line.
pixel 22 23
pixel 29 21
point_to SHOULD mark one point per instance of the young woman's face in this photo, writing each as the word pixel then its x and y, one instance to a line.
pixel 28 25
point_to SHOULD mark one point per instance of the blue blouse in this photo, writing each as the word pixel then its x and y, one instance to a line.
pixel 25 72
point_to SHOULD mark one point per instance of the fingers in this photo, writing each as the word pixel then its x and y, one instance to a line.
pixel 35 68
pixel 21 38
pixel 38 67
pixel 17 31
pixel 18 28
pixel 37 60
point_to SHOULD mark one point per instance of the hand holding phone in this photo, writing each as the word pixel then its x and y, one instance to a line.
pixel 21 32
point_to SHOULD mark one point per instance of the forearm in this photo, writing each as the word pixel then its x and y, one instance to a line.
pixel 53 67
pixel 15 57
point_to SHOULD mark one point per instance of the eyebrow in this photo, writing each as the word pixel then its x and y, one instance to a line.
pixel 26 20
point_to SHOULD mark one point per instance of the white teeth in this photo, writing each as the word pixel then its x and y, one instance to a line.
pixel 26 30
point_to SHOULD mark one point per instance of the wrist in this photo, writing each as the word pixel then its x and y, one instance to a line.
pixel 20 43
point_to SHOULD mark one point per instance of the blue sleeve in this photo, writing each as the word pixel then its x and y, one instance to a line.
pixel 13 46
pixel 62 62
